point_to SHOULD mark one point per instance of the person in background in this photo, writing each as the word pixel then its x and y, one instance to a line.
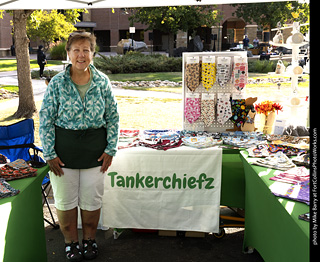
pixel 246 42
pixel 41 59
pixel 256 42
pixel 79 126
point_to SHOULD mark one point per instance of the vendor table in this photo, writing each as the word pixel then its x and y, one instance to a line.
pixel 22 234
pixel 272 225
pixel 185 208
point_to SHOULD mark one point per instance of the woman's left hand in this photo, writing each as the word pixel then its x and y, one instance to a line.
pixel 107 160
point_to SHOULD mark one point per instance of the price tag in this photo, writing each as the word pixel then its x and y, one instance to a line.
pixel 207 96
pixel 192 95
pixel 208 59
pixel 238 96
pixel 223 95
pixel 193 59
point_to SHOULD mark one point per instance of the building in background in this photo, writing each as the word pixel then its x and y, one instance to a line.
pixel 110 27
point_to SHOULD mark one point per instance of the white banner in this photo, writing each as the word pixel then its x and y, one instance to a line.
pixel 177 189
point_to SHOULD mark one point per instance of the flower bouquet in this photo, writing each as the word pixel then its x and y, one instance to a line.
pixel 267 109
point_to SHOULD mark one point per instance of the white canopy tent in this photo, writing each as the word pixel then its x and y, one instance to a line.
pixel 75 4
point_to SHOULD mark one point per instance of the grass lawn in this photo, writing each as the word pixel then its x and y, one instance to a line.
pixel 10 88
pixel 171 76
pixel 135 112
pixel 11 64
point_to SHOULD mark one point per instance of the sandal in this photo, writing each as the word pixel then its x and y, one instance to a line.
pixel 90 249
pixel 73 252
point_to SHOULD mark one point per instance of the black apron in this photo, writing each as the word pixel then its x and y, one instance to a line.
pixel 80 149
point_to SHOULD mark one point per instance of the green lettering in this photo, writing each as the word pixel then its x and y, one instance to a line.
pixel 112 175
pixel 149 181
pixel 156 181
pixel 209 182
pixel 165 180
pixel 201 179
pixel 139 181
pixel 130 181
pixel 184 181
pixel 191 182
pixel 176 180
pixel 120 181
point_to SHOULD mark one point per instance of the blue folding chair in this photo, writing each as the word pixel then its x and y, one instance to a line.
pixel 16 141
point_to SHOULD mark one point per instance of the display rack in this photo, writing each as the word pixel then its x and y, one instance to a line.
pixel 294 101
pixel 216 90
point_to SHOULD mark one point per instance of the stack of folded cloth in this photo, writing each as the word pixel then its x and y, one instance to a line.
pixel 201 141
pixel 164 134
pixel 160 139
pixel 243 139
pixel 128 135
pixel 6 190
pixel 16 170
pixel 128 138
pixel 293 184
pixel 276 161
pixel 267 149
pixel 189 133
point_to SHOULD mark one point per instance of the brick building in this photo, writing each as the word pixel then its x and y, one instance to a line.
pixel 110 27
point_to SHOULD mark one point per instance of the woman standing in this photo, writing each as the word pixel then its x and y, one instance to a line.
pixel 79 125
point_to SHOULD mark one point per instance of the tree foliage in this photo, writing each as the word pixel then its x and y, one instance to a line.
pixel 174 18
pixel 46 26
pixel 49 26
pixel 171 19
pixel 269 14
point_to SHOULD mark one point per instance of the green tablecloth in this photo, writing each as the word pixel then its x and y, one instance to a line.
pixel 22 234
pixel 272 226
pixel 232 179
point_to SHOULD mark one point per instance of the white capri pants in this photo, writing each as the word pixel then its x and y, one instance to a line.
pixel 78 187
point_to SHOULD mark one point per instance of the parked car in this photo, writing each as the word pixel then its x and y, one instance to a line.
pixel 125 45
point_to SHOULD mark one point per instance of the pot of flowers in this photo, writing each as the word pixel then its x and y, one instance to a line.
pixel 267 110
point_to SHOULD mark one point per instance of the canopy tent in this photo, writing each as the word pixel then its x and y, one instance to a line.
pixel 88 4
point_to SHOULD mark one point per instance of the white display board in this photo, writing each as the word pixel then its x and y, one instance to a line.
pixel 216 89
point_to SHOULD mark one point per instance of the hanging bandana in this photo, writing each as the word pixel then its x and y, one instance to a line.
pixel 207 109
pixel 239 112
pixel 223 109
pixel 208 72
pixel 192 109
pixel 192 76
pixel 240 73
pixel 223 70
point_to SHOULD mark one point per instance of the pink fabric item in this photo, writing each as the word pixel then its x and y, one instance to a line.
pixel 294 175
pixel 192 109
pixel 240 74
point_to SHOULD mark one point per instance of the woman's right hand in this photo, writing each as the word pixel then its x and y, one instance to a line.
pixel 55 166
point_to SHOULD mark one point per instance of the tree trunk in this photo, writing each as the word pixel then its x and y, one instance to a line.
pixel 27 106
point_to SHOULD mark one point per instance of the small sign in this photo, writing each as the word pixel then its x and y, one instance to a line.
pixel 132 30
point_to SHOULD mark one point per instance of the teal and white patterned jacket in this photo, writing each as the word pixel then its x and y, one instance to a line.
pixel 62 106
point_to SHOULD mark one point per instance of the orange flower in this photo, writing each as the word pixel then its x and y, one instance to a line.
pixel 266 107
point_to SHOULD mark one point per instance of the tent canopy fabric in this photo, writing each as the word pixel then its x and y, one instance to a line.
pixel 88 4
